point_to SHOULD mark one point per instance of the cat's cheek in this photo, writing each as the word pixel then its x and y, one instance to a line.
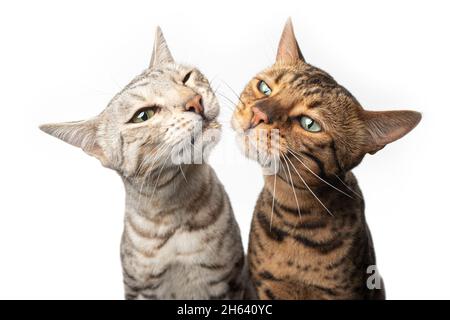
pixel 131 163
pixel 235 124
pixel 212 113
pixel 241 121
pixel 210 139
pixel 211 105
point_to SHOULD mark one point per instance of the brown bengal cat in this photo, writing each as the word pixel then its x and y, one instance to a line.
pixel 309 238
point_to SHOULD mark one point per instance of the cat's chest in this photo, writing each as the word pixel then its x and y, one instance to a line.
pixel 170 265
pixel 148 242
pixel 183 247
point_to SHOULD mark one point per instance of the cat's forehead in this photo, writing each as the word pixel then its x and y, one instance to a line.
pixel 169 69
pixel 281 73
pixel 167 72
pixel 303 80
pixel 303 85
pixel 151 82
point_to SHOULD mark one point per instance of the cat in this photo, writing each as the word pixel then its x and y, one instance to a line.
pixel 309 238
pixel 180 239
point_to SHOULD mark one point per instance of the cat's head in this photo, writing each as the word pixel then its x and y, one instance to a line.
pixel 319 122
pixel 164 111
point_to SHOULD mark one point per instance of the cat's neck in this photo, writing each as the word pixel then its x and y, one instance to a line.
pixel 320 196
pixel 163 190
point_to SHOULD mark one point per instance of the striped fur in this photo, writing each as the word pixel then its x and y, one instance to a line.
pixel 184 243
pixel 309 238
pixel 180 239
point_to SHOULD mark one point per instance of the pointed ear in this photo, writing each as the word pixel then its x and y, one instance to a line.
pixel 387 126
pixel 288 49
pixel 81 134
pixel 161 53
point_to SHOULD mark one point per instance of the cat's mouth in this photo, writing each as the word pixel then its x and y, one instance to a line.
pixel 195 147
pixel 211 124
pixel 261 145
pixel 204 131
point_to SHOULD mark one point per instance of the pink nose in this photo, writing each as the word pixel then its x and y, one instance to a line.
pixel 258 117
pixel 195 104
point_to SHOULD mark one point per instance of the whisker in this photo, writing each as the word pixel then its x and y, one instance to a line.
pixel 159 175
pixel 153 137
pixel 227 104
pixel 149 157
pixel 157 157
pixel 292 185
pixel 215 90
pixel 213 79
pixel 138 169
pixel 356 193
pixel 317 176
pixel 144 179
pixel 225 97
pixel 307 186
pixel 234 92
pixel 273 196
pixel 182 172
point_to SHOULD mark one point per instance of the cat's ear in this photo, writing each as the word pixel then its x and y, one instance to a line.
pixel 288 49
pixel 161 53
pixel 81 134
pixel 387 126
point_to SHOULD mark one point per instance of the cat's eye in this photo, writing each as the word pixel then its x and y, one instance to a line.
pixel 143 115
pixel 309 124
pixel 264 88
pixel 187 77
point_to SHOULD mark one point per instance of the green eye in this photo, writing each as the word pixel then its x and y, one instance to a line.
pixel 143 115
pixel 309 124
pixel 264 88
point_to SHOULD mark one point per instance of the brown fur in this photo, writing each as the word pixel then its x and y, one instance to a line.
pixel 309 238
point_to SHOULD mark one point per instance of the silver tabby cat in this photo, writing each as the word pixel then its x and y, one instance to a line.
pixel 180 239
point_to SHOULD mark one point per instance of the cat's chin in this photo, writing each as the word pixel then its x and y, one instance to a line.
pixel 196 148
pixel 268 161
pixel 211 124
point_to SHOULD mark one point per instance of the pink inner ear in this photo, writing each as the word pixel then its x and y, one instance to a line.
pixel 288 49
pixel 387 126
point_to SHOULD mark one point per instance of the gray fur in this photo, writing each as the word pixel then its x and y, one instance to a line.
pixel 180 240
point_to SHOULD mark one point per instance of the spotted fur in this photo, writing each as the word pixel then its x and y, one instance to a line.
pixel 309 238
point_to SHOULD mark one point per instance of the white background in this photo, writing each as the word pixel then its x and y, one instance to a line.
pixel 61 213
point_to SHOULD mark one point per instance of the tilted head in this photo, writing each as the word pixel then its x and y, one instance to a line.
pixel 319 122
pixel 169 105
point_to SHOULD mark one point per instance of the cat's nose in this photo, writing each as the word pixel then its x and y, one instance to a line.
pixel 195 105
pixel 258 117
